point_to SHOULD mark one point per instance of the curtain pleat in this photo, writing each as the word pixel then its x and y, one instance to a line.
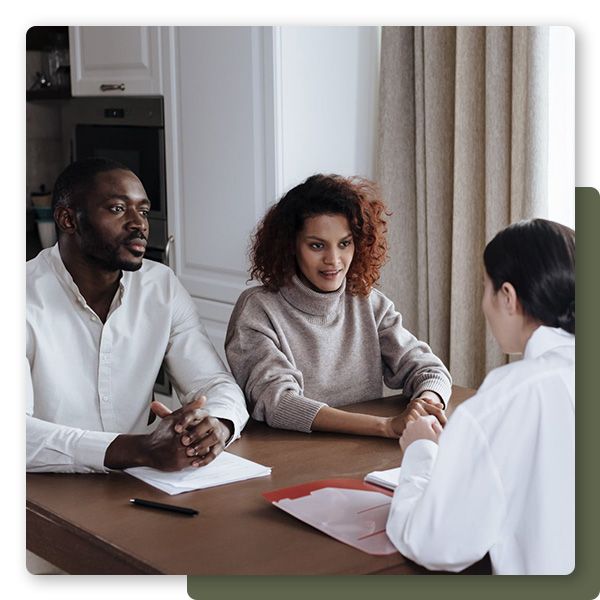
pixel 498 131
pixel 396 167
pixel 462 153
pixel 467 345
pixel 439 50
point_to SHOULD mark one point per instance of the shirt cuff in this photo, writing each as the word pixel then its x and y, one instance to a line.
pixel 295 412
pixel 237 431
pixel 223 409
pixel 91 449
pixel 419 458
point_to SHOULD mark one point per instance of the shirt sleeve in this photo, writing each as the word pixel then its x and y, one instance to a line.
pixel 194 366
pixel 407 362
pixel 272 384
pixel 449 505
pixel 59 449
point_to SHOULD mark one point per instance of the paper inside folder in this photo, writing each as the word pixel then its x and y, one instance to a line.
pixel 355 517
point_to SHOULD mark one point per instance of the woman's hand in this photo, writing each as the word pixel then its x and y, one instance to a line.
pixel 417 407
pixel 423 428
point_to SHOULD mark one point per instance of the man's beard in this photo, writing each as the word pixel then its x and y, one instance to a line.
pixel 105 256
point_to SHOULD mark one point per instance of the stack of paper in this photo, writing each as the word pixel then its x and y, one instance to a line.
pixel 226 468
pixel 387 479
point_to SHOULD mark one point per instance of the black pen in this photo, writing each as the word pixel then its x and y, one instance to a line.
pixel 161 506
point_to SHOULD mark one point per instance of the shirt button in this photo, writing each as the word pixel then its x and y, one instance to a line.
pixel 104 398
pixel 93 319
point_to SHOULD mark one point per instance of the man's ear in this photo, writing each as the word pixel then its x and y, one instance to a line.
pixel 64 217
pixel 510 300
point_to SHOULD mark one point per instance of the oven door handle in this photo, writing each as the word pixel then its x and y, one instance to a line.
pixel 109 87
pixel 170 241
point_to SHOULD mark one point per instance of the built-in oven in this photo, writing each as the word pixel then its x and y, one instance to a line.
pixel 129 130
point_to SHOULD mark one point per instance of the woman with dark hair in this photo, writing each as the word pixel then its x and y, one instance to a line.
pixel 500 477
pixel 316 335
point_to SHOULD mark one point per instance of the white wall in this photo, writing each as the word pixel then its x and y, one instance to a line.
pixel 327 80
pixel 561 119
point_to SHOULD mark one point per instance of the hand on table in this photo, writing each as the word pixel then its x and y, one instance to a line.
pixel 202 437
pixel 161 449
pixel 423 428
pixel 164 443
pixel 417 407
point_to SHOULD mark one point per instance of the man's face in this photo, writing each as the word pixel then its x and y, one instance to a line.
pixel 113 221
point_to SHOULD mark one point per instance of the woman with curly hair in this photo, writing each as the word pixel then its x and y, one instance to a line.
pixel 316 335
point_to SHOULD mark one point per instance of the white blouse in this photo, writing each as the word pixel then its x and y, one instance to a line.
pixel 502 479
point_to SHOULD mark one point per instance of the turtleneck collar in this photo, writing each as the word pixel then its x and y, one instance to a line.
pixel 317 304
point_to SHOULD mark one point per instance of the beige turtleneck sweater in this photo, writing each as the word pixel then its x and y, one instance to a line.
pixel 296 350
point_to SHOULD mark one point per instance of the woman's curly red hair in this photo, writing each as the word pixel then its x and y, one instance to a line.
pixel 273 250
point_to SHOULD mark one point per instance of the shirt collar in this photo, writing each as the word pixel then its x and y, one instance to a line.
pixel 544 339
pixel 57 264
pixel 318 304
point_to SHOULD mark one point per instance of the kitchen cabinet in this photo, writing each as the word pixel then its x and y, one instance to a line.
pixel 219 157
pixel 249 113
pixel 115 61
pixel 47 63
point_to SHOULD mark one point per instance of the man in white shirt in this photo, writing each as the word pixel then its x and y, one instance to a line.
pixel 100 321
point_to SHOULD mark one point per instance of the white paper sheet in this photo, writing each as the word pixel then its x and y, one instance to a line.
pixel 226 468
pixel 388 478
pixel 355 517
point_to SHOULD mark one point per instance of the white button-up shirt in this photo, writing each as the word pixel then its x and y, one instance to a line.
pixel 503 476
pixel 88 381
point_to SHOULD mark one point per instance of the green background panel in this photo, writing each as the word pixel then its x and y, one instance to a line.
pixel 584 583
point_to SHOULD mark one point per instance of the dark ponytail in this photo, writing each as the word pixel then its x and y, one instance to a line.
pixel 566 320
pixel 538 258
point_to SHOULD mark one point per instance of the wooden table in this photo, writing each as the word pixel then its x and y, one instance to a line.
pixel 84 524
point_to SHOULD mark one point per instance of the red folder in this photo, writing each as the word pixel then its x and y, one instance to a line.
pixel 349 510
pixel 303 489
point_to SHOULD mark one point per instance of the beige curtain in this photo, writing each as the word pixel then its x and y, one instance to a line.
pixel 462 152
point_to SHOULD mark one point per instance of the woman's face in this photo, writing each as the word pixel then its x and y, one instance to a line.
pixel 324 251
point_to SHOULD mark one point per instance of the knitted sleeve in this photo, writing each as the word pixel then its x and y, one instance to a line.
pixel 271 382
pixel 408 363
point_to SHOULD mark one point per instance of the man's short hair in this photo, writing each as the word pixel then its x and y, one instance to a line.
pixel 72 184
